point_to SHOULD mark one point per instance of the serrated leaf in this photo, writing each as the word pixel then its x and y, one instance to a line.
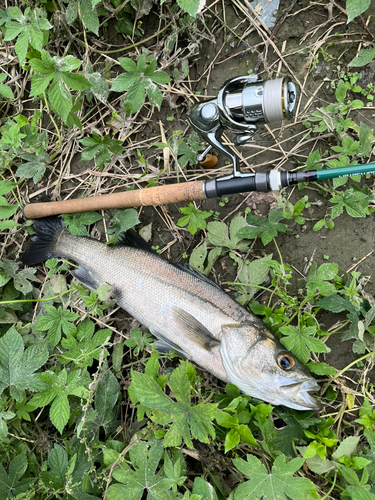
pixel 135 97
pixel 55 322
pixel 280 484
pixel 106 396
pixel 21 46
pixel 58 463
pixel 89 16
pixel 321 369
pixel 266 228
pixel 142 476
pixel 76 223
pixel 154 94
pixel 75 81
pixel 254 273
pixel 60 98
pixel 11 484
pixel 17 366
pixel 32 169
pixel 6 92
pixel 60 412
pixel 189 6
pixel 300 341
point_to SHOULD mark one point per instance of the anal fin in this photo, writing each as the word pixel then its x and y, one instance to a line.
pixel 86 278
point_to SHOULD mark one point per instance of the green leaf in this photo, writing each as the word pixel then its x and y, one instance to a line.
pixel 99 87
pixel 265 228
pixel 149 392
pixel 347 447
pixel 254 273
pixel 32 169
pixel 55 322
pixel 58 464
pixel 137 81
pixel 86 346
pixel 21 46
pixel 60 98
pixel 135 97
pixel 204 489
pixel 335 303
pixel 189 6
pixel 318 279
pixel 357 493
pixel 11 484
pixel 321 369
pixel 280 484
pixel 75 81
pixel 142 476
pixel 341 90
pixel 122 220
pixel 186 419
pixel 231 440
pixel 194 218
pixel 60 412
pixel 76 223
pixel 356 7
pixel 300 341
pixel 60 386
pixel 17 366
pixel 106 395
pixel 89 16
pixel 6 92
pixel 364 57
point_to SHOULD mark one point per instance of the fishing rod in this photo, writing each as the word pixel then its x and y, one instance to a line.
pixel 241 103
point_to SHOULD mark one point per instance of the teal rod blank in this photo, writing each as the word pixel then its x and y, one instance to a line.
pixel 333 173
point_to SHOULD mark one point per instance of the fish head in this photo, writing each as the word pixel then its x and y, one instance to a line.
pixel 261 367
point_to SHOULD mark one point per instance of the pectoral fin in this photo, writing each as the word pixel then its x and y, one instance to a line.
pixel 193 330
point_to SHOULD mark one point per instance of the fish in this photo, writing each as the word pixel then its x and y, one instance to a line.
pixel 185 311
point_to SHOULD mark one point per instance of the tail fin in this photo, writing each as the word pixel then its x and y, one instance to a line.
pixel 42 243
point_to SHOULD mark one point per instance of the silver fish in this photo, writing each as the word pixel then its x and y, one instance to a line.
pixel 185 311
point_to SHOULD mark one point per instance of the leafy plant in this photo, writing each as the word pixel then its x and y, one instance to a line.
pixel 57 74
pixel 100 147
pixel 139 80
pixel 280 483
pixel 27 27
pixel 194 218
pixel 265 228
pixel 186 420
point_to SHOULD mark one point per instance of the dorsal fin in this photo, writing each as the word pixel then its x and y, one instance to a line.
pixel 132 239
pixel 188 269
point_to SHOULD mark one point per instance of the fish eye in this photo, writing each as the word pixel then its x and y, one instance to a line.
pixel 285 361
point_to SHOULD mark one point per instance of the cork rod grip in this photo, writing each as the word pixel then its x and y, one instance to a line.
pixel 161 195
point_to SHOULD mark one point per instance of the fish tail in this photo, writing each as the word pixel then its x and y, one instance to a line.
pixel 43 242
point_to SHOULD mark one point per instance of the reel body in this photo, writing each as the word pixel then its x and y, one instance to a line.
pixel 241 103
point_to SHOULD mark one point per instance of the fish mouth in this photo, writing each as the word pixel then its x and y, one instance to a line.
pixel 302 394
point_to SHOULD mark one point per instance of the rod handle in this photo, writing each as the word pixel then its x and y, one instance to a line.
pixel 160 195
